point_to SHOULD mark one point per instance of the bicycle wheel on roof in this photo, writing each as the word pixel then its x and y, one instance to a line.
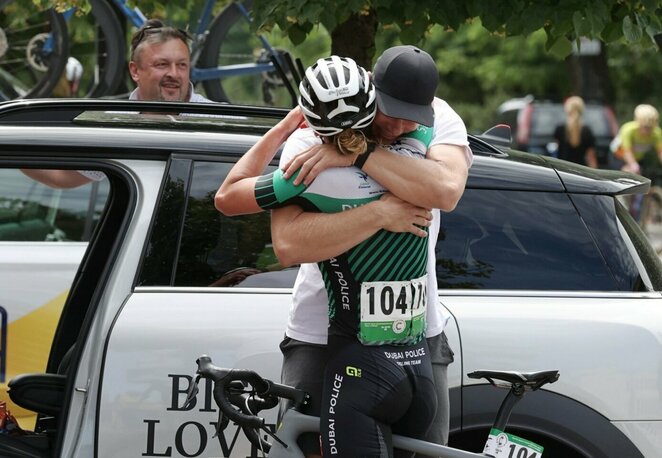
pixel 33 51
pixel 97 41
pixel 234 65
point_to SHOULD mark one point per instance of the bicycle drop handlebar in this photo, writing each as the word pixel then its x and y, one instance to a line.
pixel 267 393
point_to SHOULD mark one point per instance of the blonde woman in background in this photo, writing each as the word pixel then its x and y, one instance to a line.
pixel 576 142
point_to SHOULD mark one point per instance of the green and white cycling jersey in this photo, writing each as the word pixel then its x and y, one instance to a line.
pixel 378 289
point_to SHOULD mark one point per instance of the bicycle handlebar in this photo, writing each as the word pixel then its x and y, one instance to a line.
pixel 226 395
pixel 222 379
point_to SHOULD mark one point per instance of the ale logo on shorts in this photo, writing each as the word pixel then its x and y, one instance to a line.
pixel 353 371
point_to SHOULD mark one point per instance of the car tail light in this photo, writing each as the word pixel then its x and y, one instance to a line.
pixel 524 124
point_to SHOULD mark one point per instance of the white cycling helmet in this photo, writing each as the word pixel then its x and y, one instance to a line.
pixel 73 69
pixel 73 73
pixel 337 94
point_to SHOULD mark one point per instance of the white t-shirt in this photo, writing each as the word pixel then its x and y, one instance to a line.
pixel 308 320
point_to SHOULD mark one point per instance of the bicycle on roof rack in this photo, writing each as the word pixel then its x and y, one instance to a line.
pixel 241 394
pixel 231 61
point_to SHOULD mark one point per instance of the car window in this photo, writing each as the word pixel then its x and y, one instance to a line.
pixel 214 250
pixel 518 240
pixel 43 236
pixel 494 239
pixel 625 247
pixel 33 212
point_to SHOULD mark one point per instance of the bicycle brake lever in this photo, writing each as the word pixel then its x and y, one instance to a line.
pixel 191 393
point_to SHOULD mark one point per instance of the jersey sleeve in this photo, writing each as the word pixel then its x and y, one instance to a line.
pixel 274 191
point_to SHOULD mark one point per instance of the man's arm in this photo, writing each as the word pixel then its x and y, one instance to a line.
pixel 435 182
pixel 292 228
pixel 236 195
pixel 62 179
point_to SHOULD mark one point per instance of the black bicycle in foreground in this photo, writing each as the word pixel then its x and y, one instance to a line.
pixel 241 394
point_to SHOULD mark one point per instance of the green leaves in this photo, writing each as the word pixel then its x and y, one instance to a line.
pixel 564 21
pixel 631 30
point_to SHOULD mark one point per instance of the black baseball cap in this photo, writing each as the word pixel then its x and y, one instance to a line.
pixel 406 79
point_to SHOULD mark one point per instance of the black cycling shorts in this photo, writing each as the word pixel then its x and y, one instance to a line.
pixel 371 392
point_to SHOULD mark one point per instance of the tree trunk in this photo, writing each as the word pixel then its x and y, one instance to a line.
pixel 590 76
pixel 355 38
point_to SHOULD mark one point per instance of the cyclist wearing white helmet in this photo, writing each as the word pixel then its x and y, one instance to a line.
pixel 376 290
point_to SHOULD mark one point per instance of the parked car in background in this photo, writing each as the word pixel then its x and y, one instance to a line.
pixel 533 122
pixel 539 266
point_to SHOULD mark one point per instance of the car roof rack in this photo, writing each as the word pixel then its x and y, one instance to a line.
pixel 183 115
pixel 67 110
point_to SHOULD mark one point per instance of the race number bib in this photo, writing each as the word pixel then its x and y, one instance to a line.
pixel 393 311
pixel 504 445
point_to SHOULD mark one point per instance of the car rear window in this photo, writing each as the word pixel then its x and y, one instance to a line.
pixel 517 240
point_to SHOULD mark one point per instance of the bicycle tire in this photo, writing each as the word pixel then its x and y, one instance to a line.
pixel 97 40
pixel 231 41
pixel 26 70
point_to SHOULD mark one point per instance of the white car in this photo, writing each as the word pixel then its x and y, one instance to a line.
pixel 540 266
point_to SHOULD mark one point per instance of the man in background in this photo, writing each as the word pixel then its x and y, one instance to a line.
pixel 160 64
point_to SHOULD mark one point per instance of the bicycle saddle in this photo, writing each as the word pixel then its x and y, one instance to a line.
pixel 531 380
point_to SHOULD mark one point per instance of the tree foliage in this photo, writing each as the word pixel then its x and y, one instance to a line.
pixel 486 51
pixel 563 21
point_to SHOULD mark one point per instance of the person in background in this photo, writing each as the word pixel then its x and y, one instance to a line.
pixel 639 145
pixel 575 140
pixel 160 64
pixel 68 84
pixel 639 142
